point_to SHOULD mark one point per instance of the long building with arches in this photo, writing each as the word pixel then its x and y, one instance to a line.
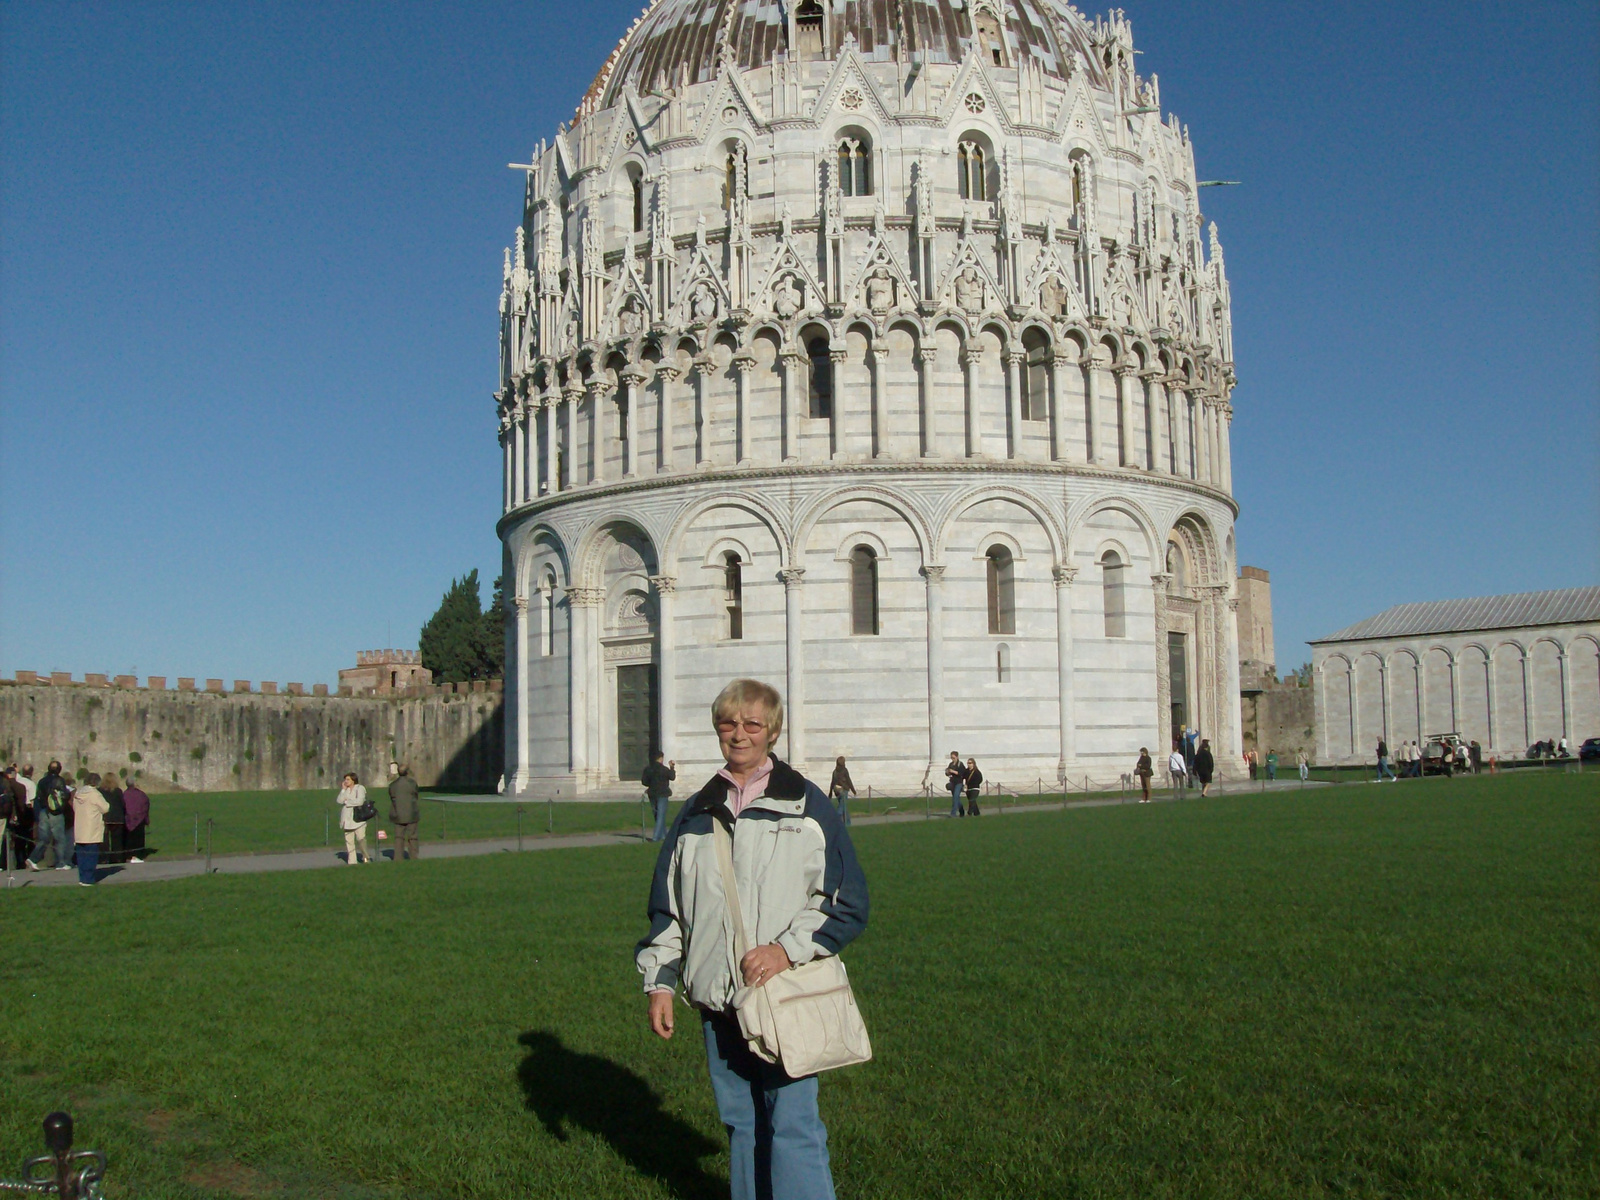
pixel 876 348
pixel 1505 671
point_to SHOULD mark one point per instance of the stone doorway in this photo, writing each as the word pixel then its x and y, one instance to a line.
pixel 638 710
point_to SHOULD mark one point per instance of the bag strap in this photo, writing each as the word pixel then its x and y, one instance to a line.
pixel 730 889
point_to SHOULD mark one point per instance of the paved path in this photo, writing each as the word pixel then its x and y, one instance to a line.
pixel 905 811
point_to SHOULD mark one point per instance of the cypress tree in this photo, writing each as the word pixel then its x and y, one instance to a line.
pixel 452 640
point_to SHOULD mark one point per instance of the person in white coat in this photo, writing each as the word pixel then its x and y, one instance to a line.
pixel 351 797
pixel 1178 767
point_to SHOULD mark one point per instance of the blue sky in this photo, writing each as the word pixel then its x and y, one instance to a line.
pixel 250 258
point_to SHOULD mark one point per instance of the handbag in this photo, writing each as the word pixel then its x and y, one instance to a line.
pixel 805 1018
pixel 364 812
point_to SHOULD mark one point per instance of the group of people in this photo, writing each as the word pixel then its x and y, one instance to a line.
pixel 1454 759
pixel 963 779
pixel 56 823
pixel 355 810
pixel 1267 768
pixel 1191 759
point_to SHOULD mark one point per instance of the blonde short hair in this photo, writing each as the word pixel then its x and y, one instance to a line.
pixel 744 691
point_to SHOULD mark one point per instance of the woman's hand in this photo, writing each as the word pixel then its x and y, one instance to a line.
pixel 762 963
pixel 661 1013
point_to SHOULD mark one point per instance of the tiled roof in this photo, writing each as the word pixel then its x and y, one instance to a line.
pixel 1562 607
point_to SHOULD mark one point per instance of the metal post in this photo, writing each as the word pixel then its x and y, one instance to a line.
pixel 927 792
pixel 550 815
pixel 519 829
pixel 444 821
pixel 197 833
pixel 327 822
pixel 209 824
pixel 644 810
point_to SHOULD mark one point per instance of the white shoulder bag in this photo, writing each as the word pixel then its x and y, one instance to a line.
pixel 806 1017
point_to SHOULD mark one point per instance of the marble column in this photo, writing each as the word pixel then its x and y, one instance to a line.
pixel 1226 439
pixel 519 780
pixel 1455 693
pixel 667 661
pixel 743 363
pixel 583 606
pixel 574 395
pixel 971 357
pixel 667 373
pixel 1163 739
pixel 1094 450
pixel 926 357
pixel 794 644
pixel 1014 362
pixel 1565 664
pixel 1064 669
pixel 836 361
pixel 506 441
pixel 547 409
pixel 632 380
pixel 1160 460
pixel 1494 715
pixel 704 365
pixel 1125 452
pixel 935 577
pixel 600 393
pixel 1059 365
pixel 793 398
pixel 519 471
pixel 880 363
pixel 1383 690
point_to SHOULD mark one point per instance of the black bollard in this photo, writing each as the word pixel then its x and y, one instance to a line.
pixel 58 1137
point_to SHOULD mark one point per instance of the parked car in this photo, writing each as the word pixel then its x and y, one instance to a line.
pixel 1590 750
pixel 1444 754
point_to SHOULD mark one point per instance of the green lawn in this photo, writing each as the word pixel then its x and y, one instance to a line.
pixel 1347 992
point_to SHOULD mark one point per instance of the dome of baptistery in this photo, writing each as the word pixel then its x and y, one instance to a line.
pixel 874 348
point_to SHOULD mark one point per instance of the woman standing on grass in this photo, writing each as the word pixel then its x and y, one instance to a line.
pixel 1205 766
pixel 803 896
pixel 351 797
pixel 1144 769
pixel 840 788
pixel 974 778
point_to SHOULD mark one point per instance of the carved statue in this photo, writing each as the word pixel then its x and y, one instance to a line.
pixel 880 291
pixel 703 304
pixel 1053 297
pixel 630 319
pixel 969 290
pixel 788 296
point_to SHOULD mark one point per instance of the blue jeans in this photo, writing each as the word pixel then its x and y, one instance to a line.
pixel 659 803
pixel 956 788
pixel 1383 769
pixel 842 800
pixel 50 834
pixel 88 860
pixel 778 1145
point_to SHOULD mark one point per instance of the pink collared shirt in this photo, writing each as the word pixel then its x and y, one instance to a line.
pixel 740 796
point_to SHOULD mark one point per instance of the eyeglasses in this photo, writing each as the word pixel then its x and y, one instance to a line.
pixel 750 727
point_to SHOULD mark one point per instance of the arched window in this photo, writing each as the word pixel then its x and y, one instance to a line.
pixel 1176 568
pixel 1002 663
pixel 1002 590
pixel 636 183
pixel 972 177
pixel 863 590
pixel 1111 586
pixel 987 26
pixel 821 373
pixel 855 166
pixel 730 181
pixel 1035 377
pixel 808 30
pixel 733 595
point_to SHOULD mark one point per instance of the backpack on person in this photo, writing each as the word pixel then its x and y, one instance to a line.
pixel 54 792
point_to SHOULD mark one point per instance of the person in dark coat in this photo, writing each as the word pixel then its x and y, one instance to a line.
pixel 51 805
pixel 955 778
pixel 116 821
pixel 840 789
pixel 974 787
pixel 136 811
pixel 1144 768
pixel 657 780
pixel 1205 766
pixel 405 811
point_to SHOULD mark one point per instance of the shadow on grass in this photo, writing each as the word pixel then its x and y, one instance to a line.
pixel 565 1088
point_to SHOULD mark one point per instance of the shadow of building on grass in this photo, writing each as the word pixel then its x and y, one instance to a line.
pixel 565 1088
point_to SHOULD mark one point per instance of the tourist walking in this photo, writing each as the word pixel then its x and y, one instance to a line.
pixel 354 813
pixel 840 788
pixel 1304 766
pixel 1177 769
pixel 116 821
pixel 136 807
pixel 50 805
pixel 1144 768
pixel 405 811
pixel 19 825
pixel 974 781
pixel 1383 762
pixel 89 808
pixel 1272 764
pixel 955 778
pixel 657 779
pixel 1475 756
pixel 1205 766
pixel 808 897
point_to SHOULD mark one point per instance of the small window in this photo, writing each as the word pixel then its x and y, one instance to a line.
pixel 1079 184
pixel 1112 570
pixel 972 179
pixel 1035 377
pixel 1002 590
pixel 863 590
pixel 636 182
pixel 855 167
pixel 821 378
pixel 990 38
pixel 730 182
pixel 808 29
pixel 733 595
pixel 1002 663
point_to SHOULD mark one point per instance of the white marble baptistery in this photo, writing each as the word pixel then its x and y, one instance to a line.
pixel 872 349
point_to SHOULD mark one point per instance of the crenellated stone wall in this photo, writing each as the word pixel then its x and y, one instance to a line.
pixel 217 741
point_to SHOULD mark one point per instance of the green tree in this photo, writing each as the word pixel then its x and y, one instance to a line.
pixel 452 640
pixel 493 636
